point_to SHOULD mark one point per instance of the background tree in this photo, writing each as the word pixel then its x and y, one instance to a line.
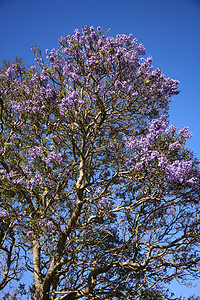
pixel 99 196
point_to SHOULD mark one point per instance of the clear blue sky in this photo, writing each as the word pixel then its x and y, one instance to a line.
pixel 169 30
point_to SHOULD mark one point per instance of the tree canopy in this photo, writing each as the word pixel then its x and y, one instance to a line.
pixel 99 194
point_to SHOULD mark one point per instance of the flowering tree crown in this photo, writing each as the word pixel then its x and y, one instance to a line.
pixel 99 195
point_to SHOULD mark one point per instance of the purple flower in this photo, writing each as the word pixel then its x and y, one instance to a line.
pixel 104 199
pixel 162 161
pixel 180 170
pixel 71 100
pixel 141 49
pixel 74 76
pixel 18 181
pixel 138 166
pixel 104 203
pixel 77 33
pixel 193 180
pixel 35 152
pixel 53 157
pixel 98 190
pixel 128 161
pixel 11 174
pixel 118 84
pixel 175 146
pixel 3 213
pixel 50 92
pixel 50 225
pixel 154 155
pixel 132 142
pixel 30 233
pixel 67 68
pixel 56 59
pixel 44 75
pixel 158 126
pixel 184 133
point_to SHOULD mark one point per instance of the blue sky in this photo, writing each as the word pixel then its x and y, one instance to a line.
pixel 169 30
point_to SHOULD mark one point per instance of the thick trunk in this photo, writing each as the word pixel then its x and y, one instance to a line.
pixel 43 286
pixel 37 272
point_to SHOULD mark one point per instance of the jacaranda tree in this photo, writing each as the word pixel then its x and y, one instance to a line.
pixel 99 195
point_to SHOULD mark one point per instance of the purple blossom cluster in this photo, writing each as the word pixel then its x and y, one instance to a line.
pixel 53 157
pixel 3 213
pixel 97 191
pixel 51 92
pixel 157 146
pixel 35 152
pixel 11 176
pixel 182 171
pixel 175 146
pixel 50 225
pixel 92 55
pixel 157 127
pixel 29 233
pixel 104 204
pixel 71 100
pixel 49 159
pixel 28 91
pixel 95 62
pixel 34 179
pixel 56 59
